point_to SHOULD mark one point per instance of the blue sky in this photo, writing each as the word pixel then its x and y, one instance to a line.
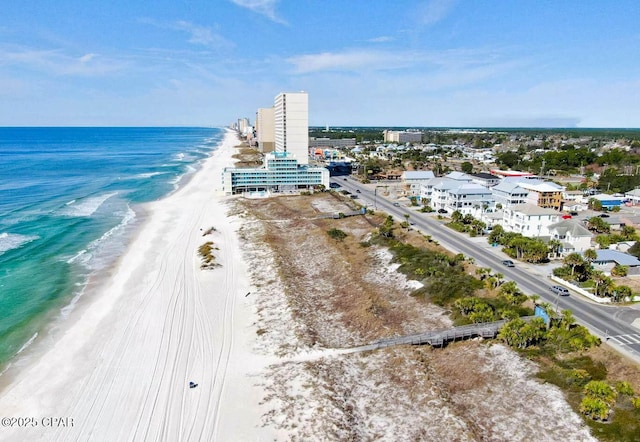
pixel 363 62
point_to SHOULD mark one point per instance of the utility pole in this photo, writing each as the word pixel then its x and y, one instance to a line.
pixel 542 167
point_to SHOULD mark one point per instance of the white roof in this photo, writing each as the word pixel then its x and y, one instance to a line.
pixel 605 197
pixel 418 174
pixel 541 186
pixel 532 209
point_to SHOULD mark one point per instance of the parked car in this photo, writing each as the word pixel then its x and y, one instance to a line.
pixel 604 215
pixel 442 211
pixel 559 290
pixel 396 204
pixel 508 263
pixel 358 190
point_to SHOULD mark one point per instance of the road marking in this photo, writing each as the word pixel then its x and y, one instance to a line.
pixel 626 339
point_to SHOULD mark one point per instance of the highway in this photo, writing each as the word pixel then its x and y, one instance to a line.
pixel 610 323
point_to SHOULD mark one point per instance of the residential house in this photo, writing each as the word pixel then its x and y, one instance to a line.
pixel 609 201
pixel 633 196
pixel 529 220
pixel 508 193
pixel 607 260
pixel 468 198
pixel 438 188
pixel 573 195
pixel 573 236
pixel 544 194
pixel 413 179
pixel 485 179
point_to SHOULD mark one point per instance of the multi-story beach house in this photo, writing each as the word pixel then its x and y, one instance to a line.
pixel 291 123
pixel 508 193
pixel 436 190
pixel 468 198
pixel 546 194
pixel 413 179
pixel 485 179
pixel 529 220
pixel 573 236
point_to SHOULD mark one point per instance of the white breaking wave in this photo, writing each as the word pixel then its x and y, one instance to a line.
pixel 28 343
pixel 149 174
pixel 86 207
pixel 9 241
pixel 84 256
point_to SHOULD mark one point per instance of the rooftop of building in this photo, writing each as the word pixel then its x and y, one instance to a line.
pixel 533 210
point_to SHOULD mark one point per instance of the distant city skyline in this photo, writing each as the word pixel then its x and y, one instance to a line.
pixel 407 63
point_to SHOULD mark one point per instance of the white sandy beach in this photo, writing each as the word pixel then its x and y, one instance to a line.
pixel 119 368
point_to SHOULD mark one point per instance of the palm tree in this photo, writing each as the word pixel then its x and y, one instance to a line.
pixel 498 277
pixel 573 260
pixel 620 292
pixel 567 319
pixel 554 247
pixel 482 272
pixel 629 233
pixel 601 281
pixel 590 255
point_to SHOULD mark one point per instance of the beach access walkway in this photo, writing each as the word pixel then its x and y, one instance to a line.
pixel 438 338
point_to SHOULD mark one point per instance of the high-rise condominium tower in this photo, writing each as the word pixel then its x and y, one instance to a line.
pixel 291 115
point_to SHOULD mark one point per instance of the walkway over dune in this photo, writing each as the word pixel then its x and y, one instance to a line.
pixel 439 338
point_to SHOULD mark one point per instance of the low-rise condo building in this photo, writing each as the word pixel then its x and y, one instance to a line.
pixel 281 174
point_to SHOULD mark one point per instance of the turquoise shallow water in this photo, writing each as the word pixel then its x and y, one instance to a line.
pixel 68 198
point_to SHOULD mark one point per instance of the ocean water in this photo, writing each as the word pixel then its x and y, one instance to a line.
pixel 68 198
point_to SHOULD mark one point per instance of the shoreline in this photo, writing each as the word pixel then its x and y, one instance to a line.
pixel 155 323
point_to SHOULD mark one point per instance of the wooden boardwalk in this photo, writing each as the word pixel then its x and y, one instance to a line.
pixel 439 338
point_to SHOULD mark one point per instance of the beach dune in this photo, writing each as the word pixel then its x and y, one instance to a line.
pixel 120 366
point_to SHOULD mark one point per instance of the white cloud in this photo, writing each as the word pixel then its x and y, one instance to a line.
pixel 454 63
pixel 87 58
pixel 57 62
pixel 262 7
pixel 198 35
pixel 381 39
pixel 201 35
pixel 434 11
pixel 354 60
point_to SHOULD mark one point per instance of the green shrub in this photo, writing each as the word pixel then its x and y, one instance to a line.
pixel 337 234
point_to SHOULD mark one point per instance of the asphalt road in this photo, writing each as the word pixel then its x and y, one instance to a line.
pixel 610 323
